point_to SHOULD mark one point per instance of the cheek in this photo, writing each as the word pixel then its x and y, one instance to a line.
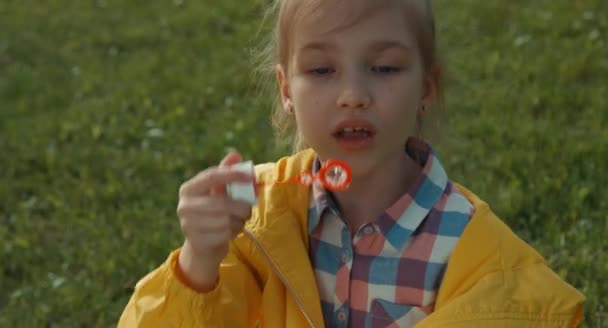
pixel 398 105
pixel 398 98
pixel 306 103
pixel 311 97
pixel 407 89
pixel 299 90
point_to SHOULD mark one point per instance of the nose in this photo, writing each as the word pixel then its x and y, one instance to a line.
pixel 355 93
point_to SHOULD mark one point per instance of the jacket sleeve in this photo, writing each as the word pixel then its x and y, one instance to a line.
pixel 161 299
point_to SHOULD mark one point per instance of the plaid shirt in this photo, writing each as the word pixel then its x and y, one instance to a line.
pixel 388 274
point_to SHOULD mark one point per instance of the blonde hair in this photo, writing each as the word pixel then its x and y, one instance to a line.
pixel 287 13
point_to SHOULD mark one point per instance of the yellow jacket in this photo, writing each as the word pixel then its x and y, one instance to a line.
pixel 493 279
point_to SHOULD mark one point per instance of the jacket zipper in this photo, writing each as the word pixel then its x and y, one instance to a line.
pixel 280 275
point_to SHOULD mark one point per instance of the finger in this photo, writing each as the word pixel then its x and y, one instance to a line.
pixel 204 182
pixel 213 206
pixel 211 241
pixel 236 226
pixel 231 159
pixel 196 225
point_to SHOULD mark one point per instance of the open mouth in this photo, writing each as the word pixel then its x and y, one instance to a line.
pixel 353 133
pixel 354 129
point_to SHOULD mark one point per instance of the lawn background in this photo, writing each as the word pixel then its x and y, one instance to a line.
pixel 107 106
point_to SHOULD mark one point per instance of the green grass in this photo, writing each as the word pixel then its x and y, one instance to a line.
pixel 107 106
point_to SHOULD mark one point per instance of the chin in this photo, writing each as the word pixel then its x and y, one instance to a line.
pixel 362 168
pixel 361 164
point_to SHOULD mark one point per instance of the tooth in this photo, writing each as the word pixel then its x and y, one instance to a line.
pixel 348 130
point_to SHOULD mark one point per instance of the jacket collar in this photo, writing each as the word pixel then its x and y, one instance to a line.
pixel 280 216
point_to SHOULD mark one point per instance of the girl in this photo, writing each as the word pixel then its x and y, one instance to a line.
pixel 402 246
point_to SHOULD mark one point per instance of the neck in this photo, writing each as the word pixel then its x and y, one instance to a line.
pixel 370 194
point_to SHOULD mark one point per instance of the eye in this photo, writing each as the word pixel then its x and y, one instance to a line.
pixel 386 69
pixel 321 71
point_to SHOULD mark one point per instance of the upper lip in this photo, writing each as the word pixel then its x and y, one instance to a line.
pixel 355 123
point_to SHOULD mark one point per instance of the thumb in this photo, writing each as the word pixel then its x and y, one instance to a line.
pixel 232 158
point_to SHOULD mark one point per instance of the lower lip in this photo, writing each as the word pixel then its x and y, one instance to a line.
pixel 355 144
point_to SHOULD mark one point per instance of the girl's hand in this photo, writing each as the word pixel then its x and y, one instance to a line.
pixel 209 220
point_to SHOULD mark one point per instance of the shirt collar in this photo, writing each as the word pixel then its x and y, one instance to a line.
pixel 402 218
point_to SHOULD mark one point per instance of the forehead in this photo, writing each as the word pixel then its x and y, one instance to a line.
pixel 321 19
pixel 336 13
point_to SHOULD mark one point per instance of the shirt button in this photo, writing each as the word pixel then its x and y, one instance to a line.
pixel 341 316
pixel 368 230
pixel 346 256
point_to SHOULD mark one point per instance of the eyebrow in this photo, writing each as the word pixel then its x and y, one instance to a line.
pixel 388 44
pixel 377 46
pixel 323 46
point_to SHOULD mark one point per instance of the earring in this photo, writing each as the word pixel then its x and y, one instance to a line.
pixel 289 109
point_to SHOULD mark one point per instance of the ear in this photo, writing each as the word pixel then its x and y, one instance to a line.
pixel 283 82
pixel 431 86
